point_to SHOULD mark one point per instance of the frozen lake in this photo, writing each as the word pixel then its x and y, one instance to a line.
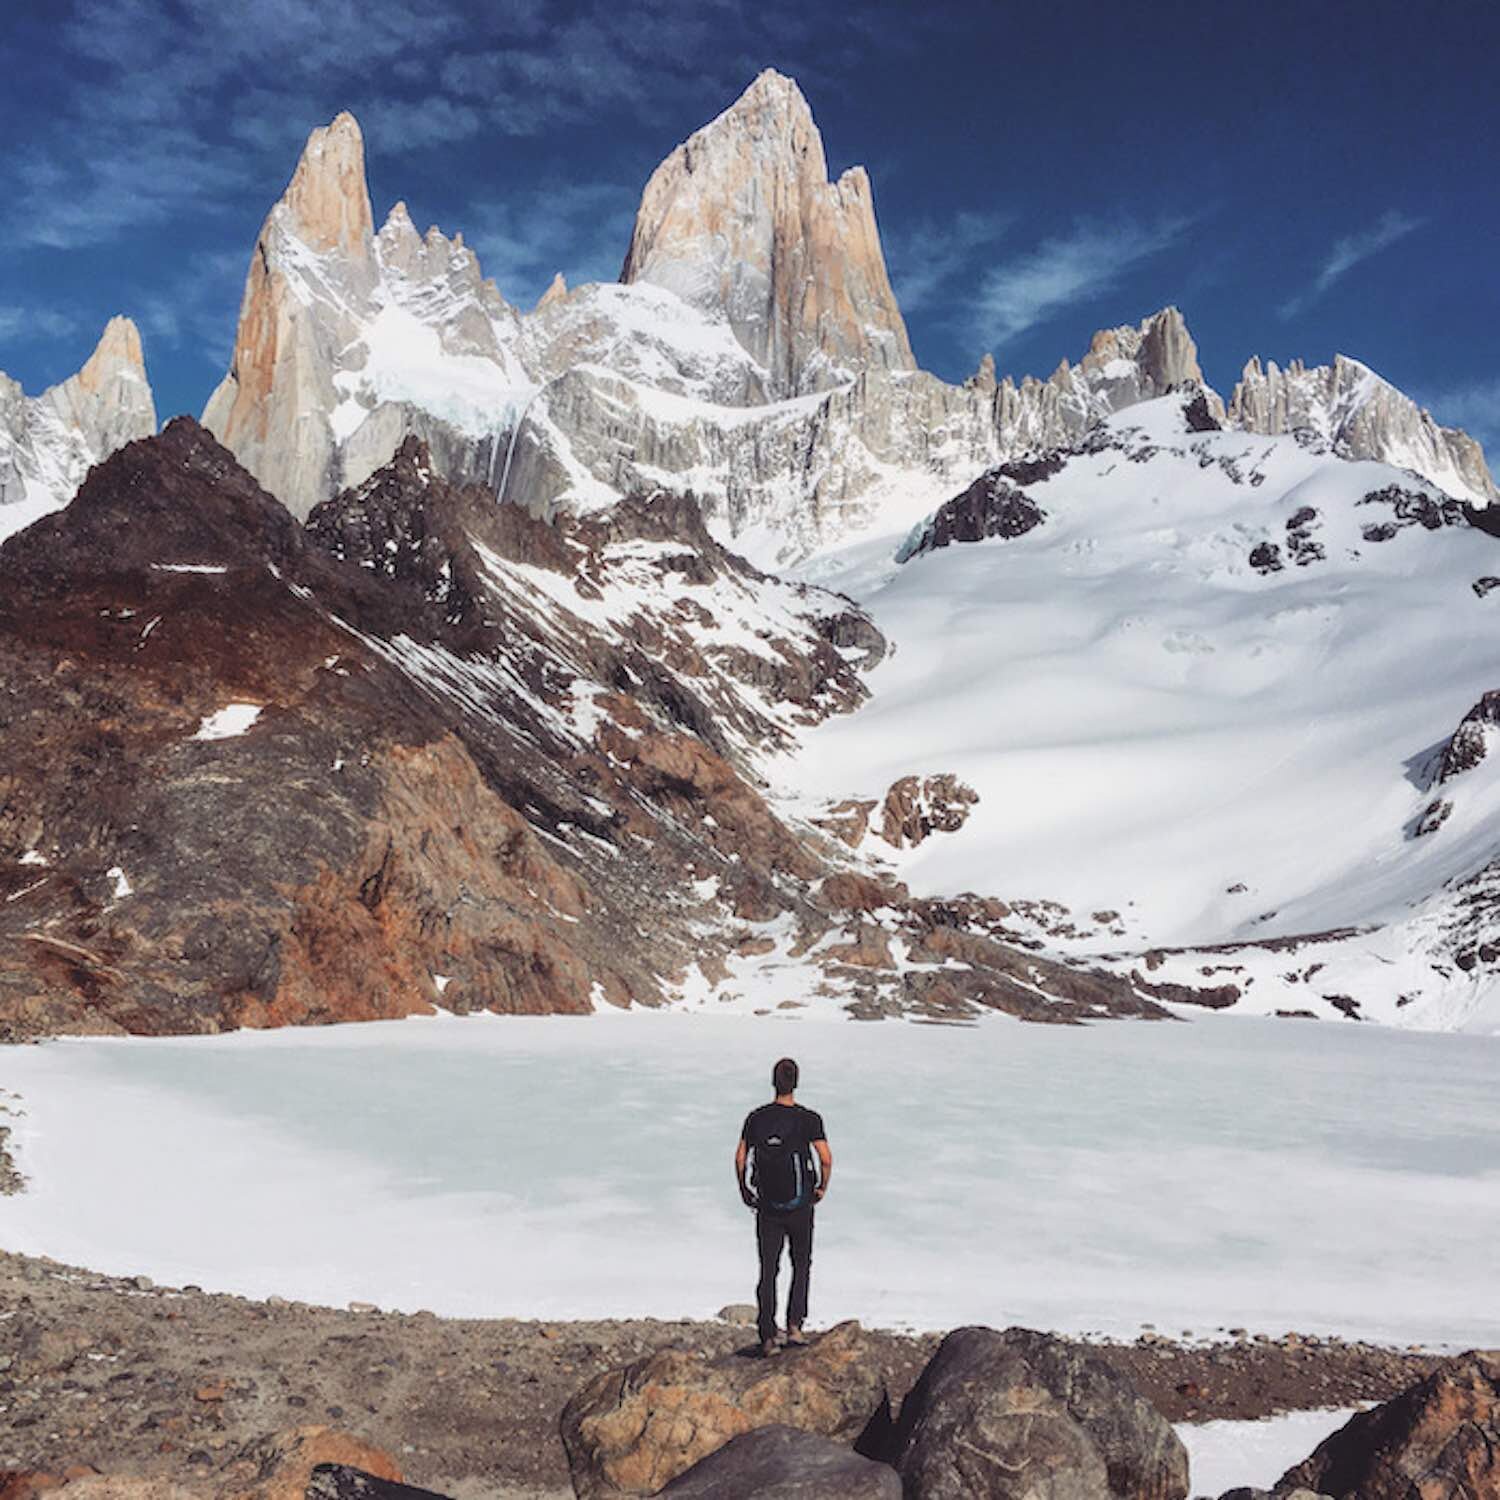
pixel 1225 1173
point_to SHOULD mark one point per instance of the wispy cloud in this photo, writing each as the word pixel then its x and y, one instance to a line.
pixel 1348 252
pixel 1475 408
pixel 165 108
pixel 926 259
pixel 580 229
pixel 20 325
pixel 1027 289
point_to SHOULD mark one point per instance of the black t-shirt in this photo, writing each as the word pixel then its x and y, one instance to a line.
pixel 776 1134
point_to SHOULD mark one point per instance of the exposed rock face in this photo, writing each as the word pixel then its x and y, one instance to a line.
pixel 991 506
pixel 49 442
pixel 632 1431
pixel 917 807
pixel 1246 1492
pixel 1123 367
pixel 272 409
pixel 343 335
pixel 1440 1438
pixel 1471 741
pixel 1011 1415
pixel 1349 407
pixel 741 220
pixel 784 1463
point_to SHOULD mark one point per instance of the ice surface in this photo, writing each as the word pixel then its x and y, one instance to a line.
pixel 1225 1455
pixel 1247 1173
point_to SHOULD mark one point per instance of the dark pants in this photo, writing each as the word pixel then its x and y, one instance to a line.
pixel 770 1231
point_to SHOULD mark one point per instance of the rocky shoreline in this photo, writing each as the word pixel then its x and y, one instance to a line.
pixel 177 1384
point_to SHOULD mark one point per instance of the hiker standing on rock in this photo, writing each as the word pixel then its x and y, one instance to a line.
pixel 782 1136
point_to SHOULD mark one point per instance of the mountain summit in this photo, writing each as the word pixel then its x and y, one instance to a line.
pixel 741 219
pixel 48 442
pixel 327 199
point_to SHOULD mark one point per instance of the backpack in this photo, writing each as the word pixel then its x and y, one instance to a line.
pixel 783 1173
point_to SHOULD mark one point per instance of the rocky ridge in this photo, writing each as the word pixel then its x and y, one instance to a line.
pixel 753 353
pixel 1350 409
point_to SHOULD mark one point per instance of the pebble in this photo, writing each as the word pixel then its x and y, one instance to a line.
pixel 363 1307
pixel 142 1283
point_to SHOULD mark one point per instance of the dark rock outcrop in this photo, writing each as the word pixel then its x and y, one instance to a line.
pixel 1007 1416
pixel 1246 1492
pixel 779 1463
pixel 341 1482
pixel 1470 742
pixel 991 506
pixel 1438 1440
pixel 633 1430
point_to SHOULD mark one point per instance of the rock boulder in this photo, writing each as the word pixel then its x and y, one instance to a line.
pixel 785 1463
pixel 280 1467
pixel 1020 1415
pixel 630 1431
pixel 1439 1438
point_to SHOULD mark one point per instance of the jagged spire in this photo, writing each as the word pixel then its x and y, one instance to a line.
pixel 327 203
pixel 741 220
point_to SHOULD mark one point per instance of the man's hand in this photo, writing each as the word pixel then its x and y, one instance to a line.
pixel 748 1197
pixel 818 1193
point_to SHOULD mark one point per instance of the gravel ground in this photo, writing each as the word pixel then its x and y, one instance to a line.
pixel 134 1378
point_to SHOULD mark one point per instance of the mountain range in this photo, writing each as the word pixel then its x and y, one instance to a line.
pixel 447 662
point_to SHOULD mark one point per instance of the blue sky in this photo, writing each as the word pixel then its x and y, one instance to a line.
pixel 1300 179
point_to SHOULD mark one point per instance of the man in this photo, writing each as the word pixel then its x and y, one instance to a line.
pixel 782 1137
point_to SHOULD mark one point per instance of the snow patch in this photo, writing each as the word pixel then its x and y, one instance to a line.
pixel 229 722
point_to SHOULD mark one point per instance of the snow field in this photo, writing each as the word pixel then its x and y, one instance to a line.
pixel 1149 723
pixel 1225 1455
pixel 1247 1174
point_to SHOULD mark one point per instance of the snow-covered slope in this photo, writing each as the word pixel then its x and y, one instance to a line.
pixel 49 442
pixel 1203 701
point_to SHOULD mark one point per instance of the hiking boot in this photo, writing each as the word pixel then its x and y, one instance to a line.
pixel 795 1338
pixel 768 1348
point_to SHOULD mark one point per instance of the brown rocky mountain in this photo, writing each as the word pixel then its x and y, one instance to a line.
pixel 428 750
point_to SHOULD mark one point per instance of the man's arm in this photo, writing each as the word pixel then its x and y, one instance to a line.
pixel 741 1157
pixel 825 1161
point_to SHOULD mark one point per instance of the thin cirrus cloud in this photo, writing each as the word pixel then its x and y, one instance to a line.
pixel 1475 408
pixel 581 229
pixel 221 92
pixel 1348 252
pixel 925 259
pixel 22 324
pixel 1027 289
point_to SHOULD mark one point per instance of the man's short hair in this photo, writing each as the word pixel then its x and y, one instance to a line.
pixel 784 1076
